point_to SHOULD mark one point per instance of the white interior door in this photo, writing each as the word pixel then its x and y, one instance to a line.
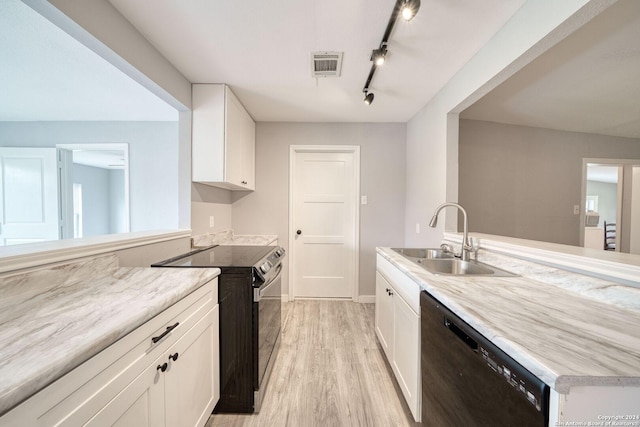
pixel 324 192
pixel 28 195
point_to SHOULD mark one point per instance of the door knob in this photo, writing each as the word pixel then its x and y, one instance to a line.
pixel 299 232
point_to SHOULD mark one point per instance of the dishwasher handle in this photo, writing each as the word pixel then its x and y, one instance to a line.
pixel 462 335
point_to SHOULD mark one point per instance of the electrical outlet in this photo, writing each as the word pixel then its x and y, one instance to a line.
pixel 576 209
pixel 211 221
pixel 363 200
pixel 417 228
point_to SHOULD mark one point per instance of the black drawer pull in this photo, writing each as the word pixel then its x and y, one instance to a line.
pixel 164 334
pixel 162 367
pixel 174 357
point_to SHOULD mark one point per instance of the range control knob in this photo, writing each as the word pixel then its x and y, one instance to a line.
pixel 279 252
pixel 265 267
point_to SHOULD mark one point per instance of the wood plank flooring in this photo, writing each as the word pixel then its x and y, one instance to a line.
pixel 330 371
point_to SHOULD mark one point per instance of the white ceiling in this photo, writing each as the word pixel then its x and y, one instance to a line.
pixel 590 82
pixel 261 49
pixel 46 75
pixel 104 159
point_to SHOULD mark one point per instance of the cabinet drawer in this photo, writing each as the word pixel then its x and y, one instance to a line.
pixel 403 284
pixel 77 396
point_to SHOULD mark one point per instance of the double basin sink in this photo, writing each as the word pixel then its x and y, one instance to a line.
pixel 438 261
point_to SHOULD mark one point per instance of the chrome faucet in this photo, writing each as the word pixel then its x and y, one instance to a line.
pixel 467 246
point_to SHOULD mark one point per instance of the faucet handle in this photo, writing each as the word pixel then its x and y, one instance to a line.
pixel 446 248
pixel 474 247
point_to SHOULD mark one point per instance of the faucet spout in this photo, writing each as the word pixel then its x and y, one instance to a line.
pixel 467 247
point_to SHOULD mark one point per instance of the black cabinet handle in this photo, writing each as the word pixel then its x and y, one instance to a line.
pixel 174 357
pixel 244 182
pixel 164 334
pixel 162 367
pixel 299 232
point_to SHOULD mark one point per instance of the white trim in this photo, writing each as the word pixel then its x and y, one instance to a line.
pixel 367 299
pixel 18 257
pixel 355 149
pixel 615 266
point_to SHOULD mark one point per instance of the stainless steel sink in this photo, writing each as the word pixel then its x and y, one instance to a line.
pixel 423 253
pixel 438 261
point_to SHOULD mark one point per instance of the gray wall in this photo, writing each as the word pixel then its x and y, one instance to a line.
pixel 523 182
pixel 153 160
pixel 432 133
pixel 382 180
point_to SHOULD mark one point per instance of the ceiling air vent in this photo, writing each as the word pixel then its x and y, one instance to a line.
pixel 326 64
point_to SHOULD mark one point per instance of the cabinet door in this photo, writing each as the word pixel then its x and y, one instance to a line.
pixel 208 133
pixel 235 123
pixel 406 353
pixel 248 152
pixel 192 383
pixel 139 404
pixel 384 314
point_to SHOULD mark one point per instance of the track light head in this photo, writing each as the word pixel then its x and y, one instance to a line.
pixel 409 9
pixel 368 97
pixel 378 56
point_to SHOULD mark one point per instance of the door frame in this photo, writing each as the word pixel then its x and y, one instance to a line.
pixel 355 150
pixel 106 146
pixel 623 203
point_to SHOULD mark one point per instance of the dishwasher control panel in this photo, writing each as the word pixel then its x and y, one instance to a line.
pixel 513 374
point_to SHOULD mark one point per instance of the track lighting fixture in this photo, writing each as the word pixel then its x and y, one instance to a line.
pixel 409 9
pixel 378 56
pixel 406 8
pixel 368 97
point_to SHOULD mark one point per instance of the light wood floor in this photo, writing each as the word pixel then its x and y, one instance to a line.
pixel 330 371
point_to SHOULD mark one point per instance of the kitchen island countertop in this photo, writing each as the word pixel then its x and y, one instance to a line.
pixel 564 338
pixel 54 319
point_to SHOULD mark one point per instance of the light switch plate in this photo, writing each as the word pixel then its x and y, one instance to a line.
pixel 363 200
pixel 211 221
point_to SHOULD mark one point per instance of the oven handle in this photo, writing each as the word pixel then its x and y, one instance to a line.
pixel 259 292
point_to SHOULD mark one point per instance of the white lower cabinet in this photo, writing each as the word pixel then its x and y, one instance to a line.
pixel 191 383
pixel 173 382
pixel 397 325
pixel 384 313
pixel 140 403
pixel 406 353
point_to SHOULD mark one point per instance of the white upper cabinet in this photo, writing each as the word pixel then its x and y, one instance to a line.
pixel 223 139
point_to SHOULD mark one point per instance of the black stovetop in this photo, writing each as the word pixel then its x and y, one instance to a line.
pixel 220 256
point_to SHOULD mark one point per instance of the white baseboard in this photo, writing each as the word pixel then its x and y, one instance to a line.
pixel 367 299
pixel 362 299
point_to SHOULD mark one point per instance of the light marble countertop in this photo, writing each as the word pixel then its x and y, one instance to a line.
pixel 567 329
pixel 54 319
pixel 228 238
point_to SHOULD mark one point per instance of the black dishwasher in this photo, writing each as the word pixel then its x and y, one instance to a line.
pixel 468 381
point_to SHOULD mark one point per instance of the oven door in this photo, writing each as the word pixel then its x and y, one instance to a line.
pixel 267 314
